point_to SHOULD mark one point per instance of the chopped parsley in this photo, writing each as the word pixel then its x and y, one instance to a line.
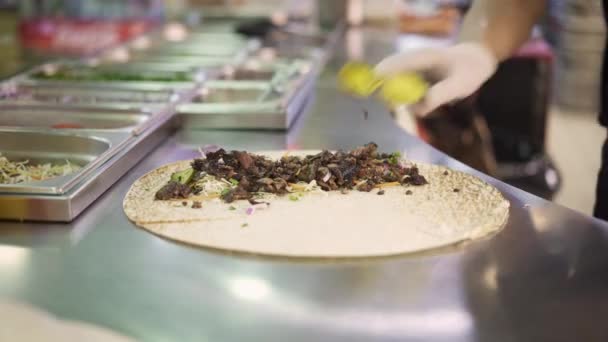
pixel 394 158
pixel 183 177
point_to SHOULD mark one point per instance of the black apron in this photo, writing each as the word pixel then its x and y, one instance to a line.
pixel 604 89
pixel 601 197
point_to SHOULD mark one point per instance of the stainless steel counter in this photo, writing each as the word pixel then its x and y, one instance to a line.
pixel 543 278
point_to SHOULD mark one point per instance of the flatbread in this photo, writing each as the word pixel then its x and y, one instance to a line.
pixel 454 207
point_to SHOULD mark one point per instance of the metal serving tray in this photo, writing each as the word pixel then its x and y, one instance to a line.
pixel 279 72
pixel 44 117
pixel 218 49
pixel 110 93
pixel 88 149
pixel 158 41
pixel 92 98
pixel 110 74
pixel 114 86
pixel 201 50
pixel 103 173
pixel 146 67
pixel 242 105
pixel 235 92
pixel 199 61
pixel 270 54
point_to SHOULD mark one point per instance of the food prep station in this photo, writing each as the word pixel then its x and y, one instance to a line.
pixel 104 113
pixel 543 278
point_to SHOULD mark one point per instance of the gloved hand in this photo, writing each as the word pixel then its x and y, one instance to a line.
pixel 460 70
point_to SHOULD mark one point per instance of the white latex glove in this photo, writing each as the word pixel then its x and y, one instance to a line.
pixel 460 69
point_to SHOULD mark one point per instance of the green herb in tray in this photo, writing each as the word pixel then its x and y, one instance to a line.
pixel 107 75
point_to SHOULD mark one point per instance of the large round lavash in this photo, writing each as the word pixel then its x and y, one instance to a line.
pixel 331 225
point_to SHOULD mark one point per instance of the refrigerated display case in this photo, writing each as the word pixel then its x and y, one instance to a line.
pixel 72 27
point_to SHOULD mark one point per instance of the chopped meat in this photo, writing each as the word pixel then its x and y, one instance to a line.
pixel 362 169
pixel 173 190
pixel 244 159
pixel 235 194
pixel 415 180
pixel 366 187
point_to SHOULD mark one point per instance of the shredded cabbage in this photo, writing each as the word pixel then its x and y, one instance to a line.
pixel 208 185
pixel 14 172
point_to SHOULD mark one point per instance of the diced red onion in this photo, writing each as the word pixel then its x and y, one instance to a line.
pixel 326 177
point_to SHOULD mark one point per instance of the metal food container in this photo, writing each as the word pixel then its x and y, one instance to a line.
pixel 134 67
pixel 37 146
pixel 278 54
pixel 255 69
pixel 205 62
pixel 201 49
pixel 111 73
pixel 193 38
pixel 147 96
pixel 105 156
pixel 116 99
pixel 242 105
pixel 43 117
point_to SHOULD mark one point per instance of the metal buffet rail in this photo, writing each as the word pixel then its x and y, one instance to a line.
pixel 543 278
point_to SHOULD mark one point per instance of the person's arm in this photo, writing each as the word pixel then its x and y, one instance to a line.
pixel 492 31
pixel 501 25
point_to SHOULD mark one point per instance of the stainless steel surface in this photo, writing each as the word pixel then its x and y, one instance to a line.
pixel 543 278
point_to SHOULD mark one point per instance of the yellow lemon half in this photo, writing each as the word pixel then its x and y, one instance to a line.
pixel 358 79
pixel 403 89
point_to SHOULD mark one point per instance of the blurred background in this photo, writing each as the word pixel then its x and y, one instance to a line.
pixel 533 125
